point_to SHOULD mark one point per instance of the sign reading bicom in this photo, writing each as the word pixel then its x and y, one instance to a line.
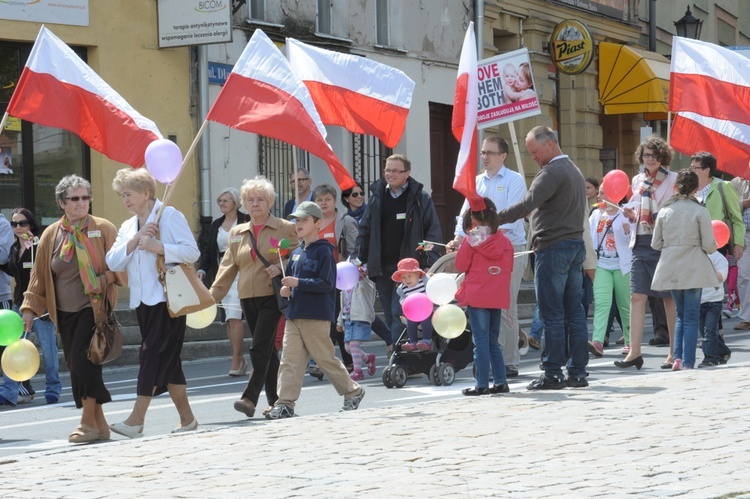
pixel 194 22
pixel 71 12
pixel 506 89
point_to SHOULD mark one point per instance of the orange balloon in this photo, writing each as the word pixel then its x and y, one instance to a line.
pixel 616 185
pixel 721 232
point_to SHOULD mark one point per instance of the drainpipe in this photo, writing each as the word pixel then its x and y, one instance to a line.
pixel 479 28
pixel 652 25
pixel 205 158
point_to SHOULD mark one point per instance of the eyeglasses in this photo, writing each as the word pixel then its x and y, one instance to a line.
pixel 22 223
pixel 75 199
pixel 696 167
pixel 649 156
pixel 356 194
pixel 490 153
pixel 388 172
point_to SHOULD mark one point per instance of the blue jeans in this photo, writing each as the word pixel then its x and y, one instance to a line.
pixel 713 343
pixel 485 330
pixel 45 335
pixel 559 283
pixel 391 305
pixel 537 326
pixel 688 304
pixel 412 329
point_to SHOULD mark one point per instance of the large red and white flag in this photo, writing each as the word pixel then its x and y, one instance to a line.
pixel 464 122
pixel 709 88
pixel 262 95
pixel 58 89
pixel 359 94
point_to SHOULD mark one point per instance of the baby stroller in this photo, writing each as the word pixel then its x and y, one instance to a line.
pixel 439 365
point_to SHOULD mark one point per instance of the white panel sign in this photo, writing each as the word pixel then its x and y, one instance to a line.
pixel 194 22
pixel 71 12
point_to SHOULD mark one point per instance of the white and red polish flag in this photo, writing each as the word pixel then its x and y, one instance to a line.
pixel 58 89
pixel 709 88
pixel 262 95
pixel 464 122
pixel 359 94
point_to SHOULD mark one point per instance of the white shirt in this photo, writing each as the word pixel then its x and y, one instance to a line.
pixel 179 247
pixel 721 266
pixel 505 188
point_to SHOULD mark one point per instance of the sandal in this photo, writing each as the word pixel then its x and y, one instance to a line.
pixel 84 434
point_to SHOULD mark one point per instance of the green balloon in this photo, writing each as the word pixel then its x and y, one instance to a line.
pixel 11 327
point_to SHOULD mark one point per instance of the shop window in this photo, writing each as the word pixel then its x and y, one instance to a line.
pixel 33 158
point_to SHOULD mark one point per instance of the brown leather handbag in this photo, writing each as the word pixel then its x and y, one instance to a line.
pixel 106 343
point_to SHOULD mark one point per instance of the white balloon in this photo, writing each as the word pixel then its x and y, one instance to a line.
pixel 441 289
pixel 202 318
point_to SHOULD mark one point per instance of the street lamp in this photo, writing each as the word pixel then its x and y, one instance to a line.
pixel 689 26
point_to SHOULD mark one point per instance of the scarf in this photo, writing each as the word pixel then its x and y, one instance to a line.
pixel 358 213
pixel 78 241
pixel 647 190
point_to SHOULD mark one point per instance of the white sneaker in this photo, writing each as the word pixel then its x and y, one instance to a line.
pixel 25 399
pixel 523 342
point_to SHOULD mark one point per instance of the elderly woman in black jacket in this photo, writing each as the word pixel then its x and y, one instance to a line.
pixel 229 203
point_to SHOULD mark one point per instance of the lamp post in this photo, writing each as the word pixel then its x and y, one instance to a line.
pixel 689 26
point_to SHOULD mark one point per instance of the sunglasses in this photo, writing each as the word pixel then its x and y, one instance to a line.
pixel 356 194
pixel 75 199
pixel 22 223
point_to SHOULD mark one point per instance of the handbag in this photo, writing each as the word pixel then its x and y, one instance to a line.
pixel 106 343
pixel 727 217
pixel 185 292
pixel 281 302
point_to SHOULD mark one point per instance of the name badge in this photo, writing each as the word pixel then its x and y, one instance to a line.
pixel 28 265
pixel 400 216
pixel 500 188
pixel 235 239
pixel 295 257
pixel 94 233
pixel 329 235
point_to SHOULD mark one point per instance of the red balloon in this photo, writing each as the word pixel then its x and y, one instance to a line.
pixel 721 232
pixel 616 185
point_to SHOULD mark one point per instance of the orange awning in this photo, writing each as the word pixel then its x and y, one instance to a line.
pixel 632 80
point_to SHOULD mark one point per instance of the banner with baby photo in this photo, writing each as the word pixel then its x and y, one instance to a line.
pixel 506 89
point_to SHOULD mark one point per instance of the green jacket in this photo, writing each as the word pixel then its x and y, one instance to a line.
pixel 716 208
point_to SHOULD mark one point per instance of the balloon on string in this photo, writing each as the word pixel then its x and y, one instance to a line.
pixel 721 232
pixel 164 160
pixel 616 185
pixel 202 318
pixel 441 289
pixel 11 327
pixel 20 360
pixel 347 275
pixel 449 321
pixel 417 307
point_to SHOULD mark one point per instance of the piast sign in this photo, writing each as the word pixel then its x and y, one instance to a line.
pixel 571 47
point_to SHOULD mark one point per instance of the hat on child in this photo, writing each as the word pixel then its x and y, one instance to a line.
pixel 307 209
pixel 406 265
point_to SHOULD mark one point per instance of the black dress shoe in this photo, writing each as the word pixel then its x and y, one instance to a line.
pixel 473 392
pixel 725 358
pixel 511 372
pixel 504 388
pixel 545 382
pixel 624 364
pixel 572 382
pixel 659 341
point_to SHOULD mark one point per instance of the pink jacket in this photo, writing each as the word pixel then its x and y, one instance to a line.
pixel 487 267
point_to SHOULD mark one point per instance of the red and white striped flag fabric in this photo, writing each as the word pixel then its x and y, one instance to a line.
pixel 464 122
pixel 262 95
pixel 58 89
pixel 359 94
pixel 710 90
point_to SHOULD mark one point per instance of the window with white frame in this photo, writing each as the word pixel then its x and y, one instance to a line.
pixel 258 10
pixel 324 16
pixel 388 23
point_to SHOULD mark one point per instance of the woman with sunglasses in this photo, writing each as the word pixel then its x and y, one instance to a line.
pixel 22 258
pixel 70 278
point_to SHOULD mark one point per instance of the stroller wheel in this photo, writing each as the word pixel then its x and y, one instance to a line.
pixel 434 376
pixel 398 376
pixel 446 374
pixel 387 377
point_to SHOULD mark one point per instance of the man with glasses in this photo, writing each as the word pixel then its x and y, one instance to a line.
pixel 399 216
pixel 300 183
pixel 505 188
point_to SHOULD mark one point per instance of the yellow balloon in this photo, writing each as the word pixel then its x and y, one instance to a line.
pixel 202 318
pixel 449 321
pixel 20 360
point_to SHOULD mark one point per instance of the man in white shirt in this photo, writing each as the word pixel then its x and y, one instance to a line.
pixel 504 187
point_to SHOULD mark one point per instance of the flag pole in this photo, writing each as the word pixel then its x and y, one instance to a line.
pixel 516 149
pixel 2 122
pixel 188 155
pixel 669 125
